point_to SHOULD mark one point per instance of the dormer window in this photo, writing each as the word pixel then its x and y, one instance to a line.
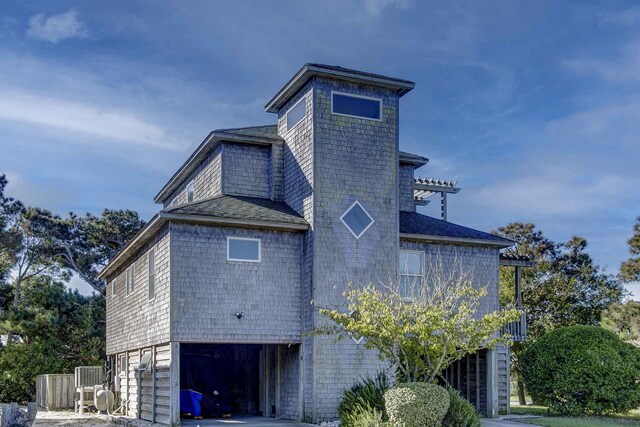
pixel 296 113
pixel 190 191
pixel 363 107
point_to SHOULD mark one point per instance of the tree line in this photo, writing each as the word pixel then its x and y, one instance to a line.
pixel 45 327
pixel 566 287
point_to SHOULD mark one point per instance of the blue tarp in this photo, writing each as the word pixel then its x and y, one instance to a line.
pixel 190 402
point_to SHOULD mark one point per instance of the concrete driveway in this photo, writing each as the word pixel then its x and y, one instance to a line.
pixel 244 421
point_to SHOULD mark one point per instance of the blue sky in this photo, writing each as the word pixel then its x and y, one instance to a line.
pixel 532 106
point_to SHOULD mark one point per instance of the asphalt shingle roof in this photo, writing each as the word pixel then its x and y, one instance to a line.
pixel 241 207
pixel 266 131
pixel 415 223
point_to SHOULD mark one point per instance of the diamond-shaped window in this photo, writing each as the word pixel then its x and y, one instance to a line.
pixel 357 219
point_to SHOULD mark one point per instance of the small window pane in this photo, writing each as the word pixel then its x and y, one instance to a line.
pixel 129 280
pixel 190 191
pixel 355 106
pixel 243 250
pixel 410 263
pixel 297 113
pixel 152 274
pixel 407 285
pixel 357 220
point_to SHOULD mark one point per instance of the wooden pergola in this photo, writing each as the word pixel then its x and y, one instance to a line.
pixel 423 188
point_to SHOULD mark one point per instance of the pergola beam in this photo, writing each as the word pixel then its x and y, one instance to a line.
pixel 435 188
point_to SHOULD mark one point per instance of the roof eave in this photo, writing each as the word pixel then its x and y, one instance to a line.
pixel 138 240
pixel 209 143
pixel 236 222
pixel 504 243
pixel 161 218
pixel 413 159
pixel 310 70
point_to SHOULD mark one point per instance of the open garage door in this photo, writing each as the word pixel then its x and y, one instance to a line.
pixel 219 380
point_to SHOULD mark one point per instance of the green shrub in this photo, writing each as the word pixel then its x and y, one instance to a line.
pixel 416 405
pixel 368 418
pixel 366 397
pixel 461 412
pixel 583 369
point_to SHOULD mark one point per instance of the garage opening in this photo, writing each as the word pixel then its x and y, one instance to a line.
pixel 221 380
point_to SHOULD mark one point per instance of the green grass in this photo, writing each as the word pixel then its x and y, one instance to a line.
pixel 581 422
pixel 630 419
pixel 529 410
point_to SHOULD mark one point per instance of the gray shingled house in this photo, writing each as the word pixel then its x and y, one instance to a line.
pixel 215 292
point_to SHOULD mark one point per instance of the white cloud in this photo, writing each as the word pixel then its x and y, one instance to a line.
pixel 614 124
pixel 554 191
pixel 376 7
pixel 623 69
pixel 57 28
pixel 624 17
pixel 83 287
pixel 88 119
pixel 634 288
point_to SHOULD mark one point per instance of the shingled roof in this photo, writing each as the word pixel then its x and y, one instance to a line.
pixel 266 131
pixel 240 208
pixel 423 227
pixel 309 71
pixel 230 211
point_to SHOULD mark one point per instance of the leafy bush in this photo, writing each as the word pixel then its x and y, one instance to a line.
pixel 416 405
pixel 583 369
pixel 368 418
pixel 461 412
pixel 365 397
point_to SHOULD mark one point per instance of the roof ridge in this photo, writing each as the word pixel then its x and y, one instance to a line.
pixel 249 127
pixel 208 199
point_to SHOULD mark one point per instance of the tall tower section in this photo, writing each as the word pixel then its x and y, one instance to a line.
pixel 340 165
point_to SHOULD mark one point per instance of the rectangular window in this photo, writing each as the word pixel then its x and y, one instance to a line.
pixel 123 363
pixel 152 274
pixel 243 249
pixel 129 280
pixel 411 268
pixel 364 107
pixel 190 192
pixel 296 113
pixel 113 288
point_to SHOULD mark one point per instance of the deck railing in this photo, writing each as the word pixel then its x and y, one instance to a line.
pixel 517 329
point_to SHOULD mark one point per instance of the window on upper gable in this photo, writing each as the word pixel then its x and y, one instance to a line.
pixel 190 191
pixel 411 268
pixel 129 280
pixel 357 219
pixel 152 274
pixel 296 113
pixel 364 107
pixel 243 249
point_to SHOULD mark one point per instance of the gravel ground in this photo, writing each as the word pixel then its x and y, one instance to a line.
pixel 69 418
